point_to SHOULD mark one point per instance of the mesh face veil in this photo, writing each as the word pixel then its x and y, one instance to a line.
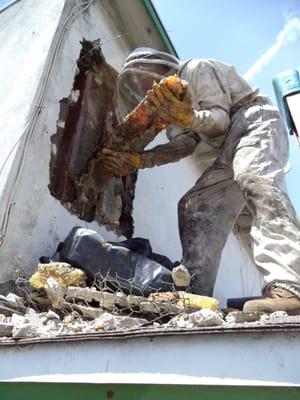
pixel 143 66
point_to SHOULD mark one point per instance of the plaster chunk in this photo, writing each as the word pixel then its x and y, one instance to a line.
pixel 129 322
pixel 51 315
pixel 181 321
pixel 15 300
pixel 25 330
pixel 55 292
pixel 121 300
pixel 236 317
pixel 149 307
pixel 201 318
pixel 88 312
pixel 106 322
pixel 6 329
pixel 279 317
pixel 206 317
pixel 3 318
pixel 17 319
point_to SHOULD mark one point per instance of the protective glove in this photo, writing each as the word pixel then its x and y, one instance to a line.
pixel 120 163
pixel 169 108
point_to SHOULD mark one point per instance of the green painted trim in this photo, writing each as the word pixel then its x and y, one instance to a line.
pixel 159 26
pixel 85 391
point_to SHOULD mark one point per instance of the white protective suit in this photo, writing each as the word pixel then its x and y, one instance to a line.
pixel 246 135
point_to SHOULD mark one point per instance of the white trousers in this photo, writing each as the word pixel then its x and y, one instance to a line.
pixel 249 170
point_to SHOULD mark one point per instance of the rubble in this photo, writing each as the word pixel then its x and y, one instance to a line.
pixel 61 304
pixel 6 329
pixel 25 330
pixel 11 304
pixel 236 317
pixel 181 276
pixel 279 317
pixel 204 317
pixel 112 322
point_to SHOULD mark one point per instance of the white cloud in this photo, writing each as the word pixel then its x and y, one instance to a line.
pixel 289 34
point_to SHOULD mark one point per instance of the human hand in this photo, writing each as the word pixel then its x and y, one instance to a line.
pixel 120 163
pixel 169 108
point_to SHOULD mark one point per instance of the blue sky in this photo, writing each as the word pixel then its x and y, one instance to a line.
pixel 264 34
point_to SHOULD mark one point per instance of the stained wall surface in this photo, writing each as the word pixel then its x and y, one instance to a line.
pixel 40 45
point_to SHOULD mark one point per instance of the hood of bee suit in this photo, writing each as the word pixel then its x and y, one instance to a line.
pixel 141 68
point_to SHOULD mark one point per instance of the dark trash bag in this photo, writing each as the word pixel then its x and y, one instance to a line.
pixel 132 272
pixel 143 246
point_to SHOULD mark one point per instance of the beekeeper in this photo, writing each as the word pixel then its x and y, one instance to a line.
pixel 223 116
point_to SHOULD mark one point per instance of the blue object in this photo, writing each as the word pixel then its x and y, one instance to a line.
pixel 285 84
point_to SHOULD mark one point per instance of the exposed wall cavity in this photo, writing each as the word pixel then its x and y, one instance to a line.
pixel 86 120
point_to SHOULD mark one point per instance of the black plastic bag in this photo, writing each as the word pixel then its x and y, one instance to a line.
pixel 122 268
pixel 143 246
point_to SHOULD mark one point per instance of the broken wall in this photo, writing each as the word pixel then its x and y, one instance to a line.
pixel 37 221
pixel 87 119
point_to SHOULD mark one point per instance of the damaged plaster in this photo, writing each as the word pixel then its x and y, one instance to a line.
pixel 86 120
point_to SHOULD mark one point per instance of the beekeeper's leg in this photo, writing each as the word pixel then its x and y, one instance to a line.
pixel 258 166
pixel 206 216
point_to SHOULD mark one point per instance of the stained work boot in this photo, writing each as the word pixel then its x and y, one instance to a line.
pixel 275 299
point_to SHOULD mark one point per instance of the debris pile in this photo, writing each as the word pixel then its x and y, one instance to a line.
pixel 60 303
pixel 90 286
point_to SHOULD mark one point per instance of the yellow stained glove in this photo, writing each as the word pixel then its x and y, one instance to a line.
pixel 176 111
pixel 120 163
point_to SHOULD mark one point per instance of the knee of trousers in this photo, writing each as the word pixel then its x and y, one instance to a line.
pixel 186 204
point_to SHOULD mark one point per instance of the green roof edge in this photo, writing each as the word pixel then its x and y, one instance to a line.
pixel 159 26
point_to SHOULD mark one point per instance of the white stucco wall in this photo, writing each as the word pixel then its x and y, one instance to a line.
pixel 222 359
pixel 37 221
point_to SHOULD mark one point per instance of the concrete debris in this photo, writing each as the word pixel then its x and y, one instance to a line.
pixel 24 331
pixel 130 323
pixel 279 317
pixel 63 305
pixel 105 299
pixel 109 322
pixel 18 319
pixel 9 305
pixel 2 318
pixel 204 317
pixel 276 316
pixel 51 316
pixel 181 276
pixel 115 301
pixel 15 300
pixel 86 311
pixel 6 329
pixel 87 319
pixel 182 321
pixel 106 322
pixel 63 273
pixel 55 292
pixel 236 317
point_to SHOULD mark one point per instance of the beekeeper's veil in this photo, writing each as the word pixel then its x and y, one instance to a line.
pixel 143 66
